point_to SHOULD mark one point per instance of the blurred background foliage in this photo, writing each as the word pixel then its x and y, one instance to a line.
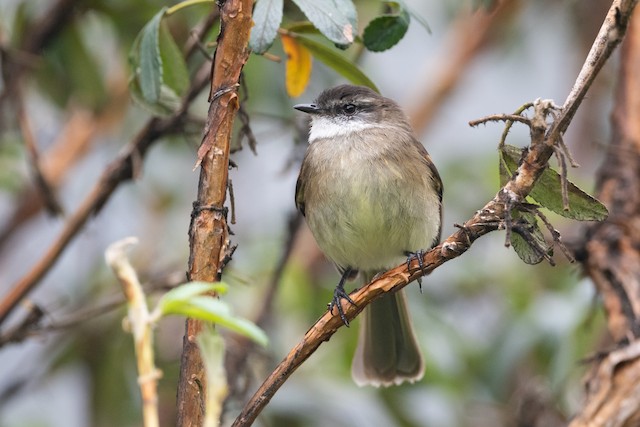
pixel 502 339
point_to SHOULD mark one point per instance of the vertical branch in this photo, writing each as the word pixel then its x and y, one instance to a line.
pixel 208 237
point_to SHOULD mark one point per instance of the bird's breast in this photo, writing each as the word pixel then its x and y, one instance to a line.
pixel 366 209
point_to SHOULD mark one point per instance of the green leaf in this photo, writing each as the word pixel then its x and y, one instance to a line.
pixel 337 62
pixel 160 76
pixel 267 17
pixel 189 290
pixel 548 191
pixel 526 251
pixel 385 31
pixel 174 68
pixel 333 18
pixel 582 207
pixel 213 310
pixel 302 27
pixel 150 72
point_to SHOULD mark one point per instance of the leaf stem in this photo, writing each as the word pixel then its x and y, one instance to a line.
pixel 182 5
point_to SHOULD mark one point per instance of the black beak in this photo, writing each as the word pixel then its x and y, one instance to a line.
pixel 307 108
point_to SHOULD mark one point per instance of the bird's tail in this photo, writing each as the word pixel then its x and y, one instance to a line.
pixel 387 352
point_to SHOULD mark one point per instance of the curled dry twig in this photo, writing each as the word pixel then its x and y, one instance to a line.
pixel 141 325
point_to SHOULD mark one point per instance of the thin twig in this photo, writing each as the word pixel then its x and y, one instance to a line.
pixel 564 181
pixel 555 234
pixel 232 202
pixel 500 118
pixel 47 191
pixel 238 354
pixel 245 130
pixel 509 123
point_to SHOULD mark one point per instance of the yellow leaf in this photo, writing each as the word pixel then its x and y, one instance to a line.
pixel 298 66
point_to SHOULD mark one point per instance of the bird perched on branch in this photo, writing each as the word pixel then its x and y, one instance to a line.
pixel 372 198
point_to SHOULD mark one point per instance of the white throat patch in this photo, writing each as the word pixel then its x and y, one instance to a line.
pixel 323 128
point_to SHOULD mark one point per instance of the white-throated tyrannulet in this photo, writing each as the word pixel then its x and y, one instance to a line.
pixel 371 196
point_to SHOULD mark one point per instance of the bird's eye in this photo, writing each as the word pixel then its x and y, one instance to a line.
pixel 349 109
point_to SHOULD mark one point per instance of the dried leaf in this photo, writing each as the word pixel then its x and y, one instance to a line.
pixel 298 66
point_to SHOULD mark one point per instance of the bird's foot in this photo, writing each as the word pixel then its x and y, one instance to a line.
pixel 338 295
pixel 417 255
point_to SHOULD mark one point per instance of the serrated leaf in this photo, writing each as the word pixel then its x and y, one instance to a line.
pixel 582 207
pixel 337 62
pixel 548 192
pixel 267 16
pixel 174 68
pixel 524 249
pixel 298 66
pixel 332 18
pixel 385 31
pixel 150 71
pixel 211 309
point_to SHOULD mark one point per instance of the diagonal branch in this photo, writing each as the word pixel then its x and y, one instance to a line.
pixel 487 219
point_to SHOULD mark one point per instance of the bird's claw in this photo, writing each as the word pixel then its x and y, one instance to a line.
pixel 339 294
pixel 418 256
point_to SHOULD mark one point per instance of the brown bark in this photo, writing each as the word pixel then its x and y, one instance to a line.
pixel 611 254
pixel 208 229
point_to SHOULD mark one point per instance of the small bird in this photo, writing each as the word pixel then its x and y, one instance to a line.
pixel 372 198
